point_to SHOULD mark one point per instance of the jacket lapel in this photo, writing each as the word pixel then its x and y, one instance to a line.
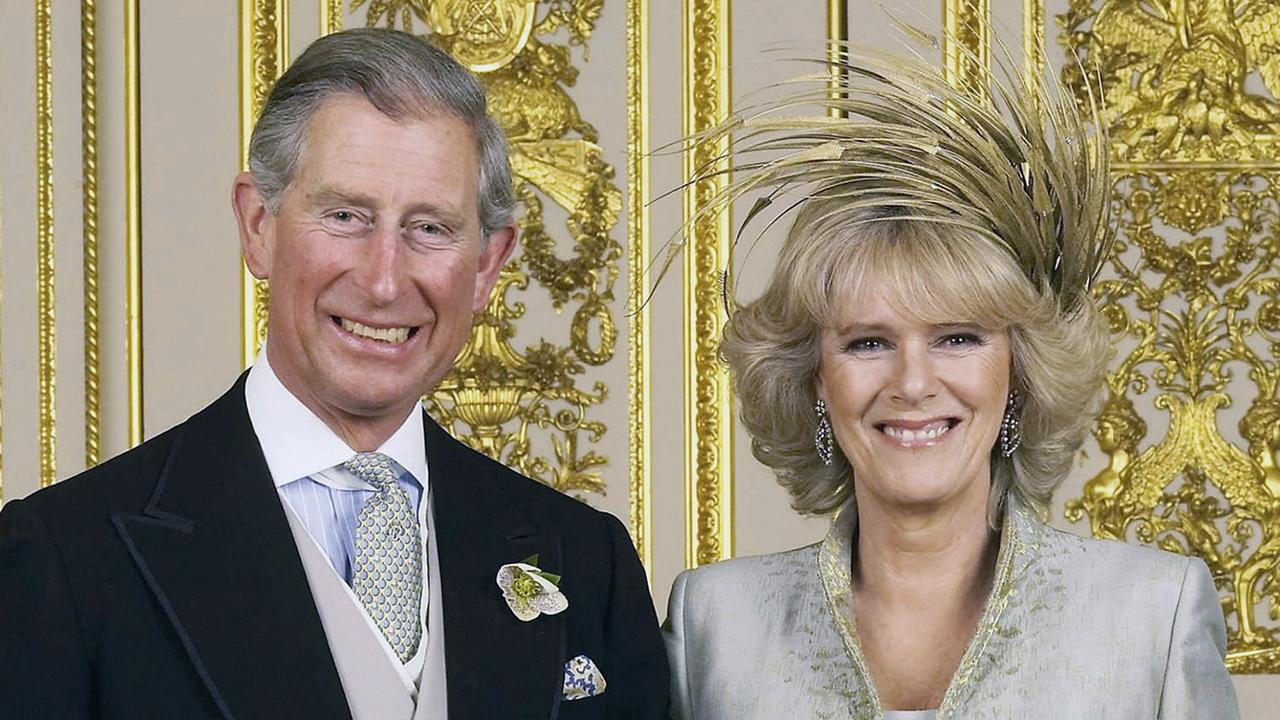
pixel 215 548
pixel 496 665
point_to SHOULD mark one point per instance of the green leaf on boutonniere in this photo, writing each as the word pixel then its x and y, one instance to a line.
pixel 531 560
pixel 553 578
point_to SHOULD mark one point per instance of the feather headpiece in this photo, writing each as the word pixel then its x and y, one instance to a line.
pixel 1019 166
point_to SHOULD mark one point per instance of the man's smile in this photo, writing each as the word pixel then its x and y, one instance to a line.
pixel 393 335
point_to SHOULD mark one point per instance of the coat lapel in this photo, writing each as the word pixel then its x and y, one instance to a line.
pixel 215 548
pixel 496 665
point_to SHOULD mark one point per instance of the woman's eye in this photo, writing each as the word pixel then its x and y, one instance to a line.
pixel 959 340
pixel 865 345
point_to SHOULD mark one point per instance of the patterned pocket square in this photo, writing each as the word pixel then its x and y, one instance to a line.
pixel 582 679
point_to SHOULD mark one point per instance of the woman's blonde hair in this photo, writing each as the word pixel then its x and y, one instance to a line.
pixel 936 274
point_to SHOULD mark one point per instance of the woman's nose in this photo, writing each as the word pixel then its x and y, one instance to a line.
pixel 915 379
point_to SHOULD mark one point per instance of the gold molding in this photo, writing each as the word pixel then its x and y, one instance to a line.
pixel 264 54
pixel 133 217
pixel 966 43
pixel 1 384
pixel 837 41
pixel 331 16
pixel 707 400
pixel 89 181
pixel 46 344
pixel 1033 49
pixel 639 411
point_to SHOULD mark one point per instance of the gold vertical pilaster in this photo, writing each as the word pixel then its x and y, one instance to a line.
pixel 640 416
pixel 708 405
pixel 46 343
pixel 264 53
pixel 1033 41
pixel 1 384
pixel 89 231
pixel 330 16
pixel 966 44
pixel 133 218
pixel 837 41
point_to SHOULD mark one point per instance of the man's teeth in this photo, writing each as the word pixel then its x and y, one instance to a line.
pixel 394 336
pixel 910 436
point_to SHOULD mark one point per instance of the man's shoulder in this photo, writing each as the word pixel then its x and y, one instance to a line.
pixel 122 483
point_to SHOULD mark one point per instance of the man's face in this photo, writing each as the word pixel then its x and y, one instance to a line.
pixel 374 259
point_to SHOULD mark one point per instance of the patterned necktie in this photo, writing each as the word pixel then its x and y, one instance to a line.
pixel 387 576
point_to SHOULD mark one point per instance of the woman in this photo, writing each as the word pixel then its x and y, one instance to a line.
pixel 922 364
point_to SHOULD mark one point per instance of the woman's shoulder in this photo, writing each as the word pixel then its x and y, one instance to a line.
pixel 1109 559
pixel 750 584
pixel 753 568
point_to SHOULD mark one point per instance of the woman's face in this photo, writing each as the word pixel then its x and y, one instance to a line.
pixel 915 406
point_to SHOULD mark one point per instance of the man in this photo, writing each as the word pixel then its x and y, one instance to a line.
pixel 312 545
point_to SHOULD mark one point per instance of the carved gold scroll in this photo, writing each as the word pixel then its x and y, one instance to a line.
pixel 518 399
pixel 1193 294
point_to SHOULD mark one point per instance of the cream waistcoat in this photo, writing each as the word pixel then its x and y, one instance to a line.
pixel 373 684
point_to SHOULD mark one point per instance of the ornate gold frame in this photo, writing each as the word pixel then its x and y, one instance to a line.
pixel 707 396
pixel 639 486
pixel 133 217
pixel 264 54
pixel 89 213
pixel 46 345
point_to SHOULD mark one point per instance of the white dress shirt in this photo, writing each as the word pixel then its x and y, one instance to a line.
pixel 305 457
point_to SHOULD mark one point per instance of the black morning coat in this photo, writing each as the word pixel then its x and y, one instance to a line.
pixel 165 583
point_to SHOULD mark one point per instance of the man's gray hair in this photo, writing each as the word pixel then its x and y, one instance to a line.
pixel 404 77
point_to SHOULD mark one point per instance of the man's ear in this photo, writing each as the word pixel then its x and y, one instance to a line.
pixel 254 221
pixel 501 243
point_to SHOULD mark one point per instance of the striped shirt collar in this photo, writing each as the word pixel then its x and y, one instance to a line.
pixel 298 444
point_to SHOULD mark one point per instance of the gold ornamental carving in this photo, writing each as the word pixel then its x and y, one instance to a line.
pixel 1192 295
pixel 525 403
pixel 1175 74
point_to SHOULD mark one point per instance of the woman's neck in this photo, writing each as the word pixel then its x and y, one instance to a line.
pixel 907 557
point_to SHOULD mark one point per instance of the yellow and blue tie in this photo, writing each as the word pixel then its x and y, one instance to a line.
pixel 387 565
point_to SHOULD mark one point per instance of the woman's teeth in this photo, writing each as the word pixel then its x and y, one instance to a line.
pixel 395 336
pixel 903 435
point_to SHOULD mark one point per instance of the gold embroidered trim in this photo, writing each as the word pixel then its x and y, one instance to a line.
pixel 835 568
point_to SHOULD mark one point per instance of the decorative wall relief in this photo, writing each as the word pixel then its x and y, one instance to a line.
pixel 525 406
pixel 1193 296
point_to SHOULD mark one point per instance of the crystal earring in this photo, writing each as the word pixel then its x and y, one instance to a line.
pixel 822 438
pixel 1010 427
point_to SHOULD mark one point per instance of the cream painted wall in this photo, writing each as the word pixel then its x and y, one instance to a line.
pixel 191 269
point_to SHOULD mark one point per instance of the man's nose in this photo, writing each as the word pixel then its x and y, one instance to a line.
pixel 381 270
pixel 915 379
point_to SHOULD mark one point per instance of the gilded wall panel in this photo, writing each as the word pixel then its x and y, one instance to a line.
pixel 1193 293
